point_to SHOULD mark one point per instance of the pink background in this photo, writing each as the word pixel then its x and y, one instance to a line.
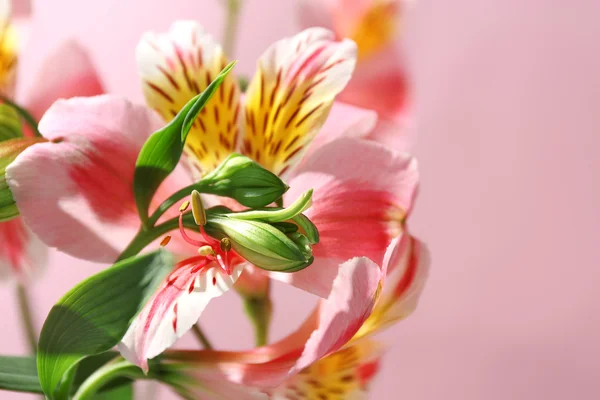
pixel 507 109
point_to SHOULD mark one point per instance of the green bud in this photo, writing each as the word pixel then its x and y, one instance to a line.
pixel 9 150
pixel 261 243
pixel 273 238
pixel 245 181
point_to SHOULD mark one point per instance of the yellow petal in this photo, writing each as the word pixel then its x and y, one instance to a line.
pixel 291 94
pixel 342 375
pixel 8 51
pixel 176 66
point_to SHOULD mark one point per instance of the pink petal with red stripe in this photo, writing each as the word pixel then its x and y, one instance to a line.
pixel 358 210
pixel 75 191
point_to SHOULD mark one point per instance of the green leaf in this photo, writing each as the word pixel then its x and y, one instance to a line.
pixel 161 152
pixel 93 316
pixel 19 374
pixel 10 123
pixel 123 392
pixel 23 113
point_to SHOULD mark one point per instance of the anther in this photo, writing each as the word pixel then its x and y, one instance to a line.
pixel 184 206
pixel 225 244
pixel 165 241
pixel 206 251
pixel 198 209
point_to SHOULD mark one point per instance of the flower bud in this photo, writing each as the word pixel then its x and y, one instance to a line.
pixel 262 244
pixel 245 181
pixel 267 238
pixel 9 150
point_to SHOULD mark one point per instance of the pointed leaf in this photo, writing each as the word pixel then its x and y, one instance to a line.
pixel 161 152
pixel 19 374
pixel 93 316
pixel 10 123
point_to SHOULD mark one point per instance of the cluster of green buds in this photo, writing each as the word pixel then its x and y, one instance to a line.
pixel 271 238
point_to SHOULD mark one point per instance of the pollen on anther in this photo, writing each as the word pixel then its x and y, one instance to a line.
pixel 225 244
pixel 165 241
pixel 184 206
pixel 198 209
pixel 206 251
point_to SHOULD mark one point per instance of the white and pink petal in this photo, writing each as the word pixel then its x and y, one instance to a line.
pixel 329 328
pixel 174 309
pixel 177 65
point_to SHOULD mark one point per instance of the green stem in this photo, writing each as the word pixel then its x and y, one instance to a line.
pixel 201 337
pixel 259 310
pixel 174 198
pixel 27 317
pixel 24 114
pixel 105 374
pixel 231 25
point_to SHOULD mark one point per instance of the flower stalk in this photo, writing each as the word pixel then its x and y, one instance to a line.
pixel 27 317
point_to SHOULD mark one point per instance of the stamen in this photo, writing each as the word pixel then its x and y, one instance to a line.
pixel 198 209
pixel 225 244
pixel 209 240
pixel 184 206
pixel 185 235
pixel 165 241
pixel 206 251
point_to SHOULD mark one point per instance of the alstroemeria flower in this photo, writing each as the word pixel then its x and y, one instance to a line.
pixel 346 362
pixel 67 72
pixel 83 177
pixel 329 329
pixel 379 82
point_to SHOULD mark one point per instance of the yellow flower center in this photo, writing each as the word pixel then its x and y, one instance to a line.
pixel 375 29
pixel 8 57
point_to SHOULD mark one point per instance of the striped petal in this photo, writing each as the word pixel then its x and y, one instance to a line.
pixel 75 190
pixel 8 50
pixel 173 310
pixel 291 94
pixel 22 254
pixel 176 66
pixel 358 210
pixel 345 374
pixel 327 330
pixel 408 261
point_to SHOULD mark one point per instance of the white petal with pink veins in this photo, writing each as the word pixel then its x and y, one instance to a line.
pixel 173 310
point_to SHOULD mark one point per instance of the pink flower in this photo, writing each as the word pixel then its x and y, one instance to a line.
pixel 66 73
pixel 379 82
pixel 82 177
pixel 330 353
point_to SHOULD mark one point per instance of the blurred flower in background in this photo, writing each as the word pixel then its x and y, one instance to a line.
pixel 379 81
